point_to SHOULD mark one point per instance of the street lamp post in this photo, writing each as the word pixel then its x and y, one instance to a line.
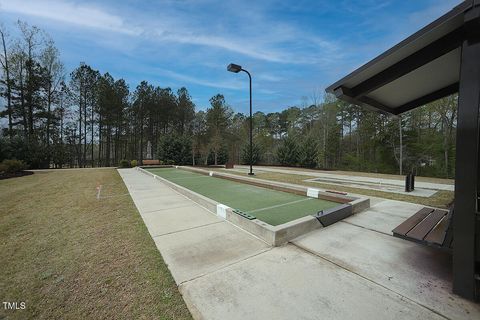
pixel 235 68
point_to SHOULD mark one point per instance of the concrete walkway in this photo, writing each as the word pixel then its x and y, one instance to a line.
pixel 332 177
pixel 351 270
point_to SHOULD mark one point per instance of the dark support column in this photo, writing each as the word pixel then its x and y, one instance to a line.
pixel 465 221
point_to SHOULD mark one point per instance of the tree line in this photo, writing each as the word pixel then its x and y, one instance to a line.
pixel 335 135
pixel 83 118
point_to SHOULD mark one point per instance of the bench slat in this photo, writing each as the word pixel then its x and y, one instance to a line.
pixel 448 242
pixel 438 233
pixel 411 222
pixel 426 225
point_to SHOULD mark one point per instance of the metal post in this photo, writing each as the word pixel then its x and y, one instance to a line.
pixel 401 143
pixel 465 219
pixel 251 124
pixel 232 67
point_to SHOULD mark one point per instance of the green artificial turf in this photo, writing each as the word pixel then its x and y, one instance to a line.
pixel 271 206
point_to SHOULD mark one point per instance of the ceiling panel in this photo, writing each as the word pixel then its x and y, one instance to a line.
pixel 431 77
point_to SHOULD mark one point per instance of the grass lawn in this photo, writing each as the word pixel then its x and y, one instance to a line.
pixel 440 199
pixel 67 254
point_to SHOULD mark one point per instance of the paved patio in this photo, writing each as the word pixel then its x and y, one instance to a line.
pixel 353 269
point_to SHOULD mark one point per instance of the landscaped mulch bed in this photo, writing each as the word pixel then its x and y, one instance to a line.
pixel 6 175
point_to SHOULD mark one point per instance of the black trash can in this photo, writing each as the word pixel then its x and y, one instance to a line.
pixel 408 182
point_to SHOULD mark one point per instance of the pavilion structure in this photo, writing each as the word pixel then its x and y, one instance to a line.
pixel 440 59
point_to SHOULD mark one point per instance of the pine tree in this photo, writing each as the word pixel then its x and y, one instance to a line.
pixel 218 119
pixel 308 154
pixel 287 153
pixel 256 154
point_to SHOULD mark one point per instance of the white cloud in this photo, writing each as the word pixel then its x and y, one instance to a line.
pixel 71 13
pixel 195 80
pixel 297 49
pixel 273 44
pixel 259 37
pixel 223 43
pixel 269 77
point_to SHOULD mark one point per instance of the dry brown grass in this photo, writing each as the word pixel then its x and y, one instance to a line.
pixel 441 199
pixel 69 255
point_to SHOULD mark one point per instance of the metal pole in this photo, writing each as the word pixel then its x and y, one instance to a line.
pixel 251 124
pixel 401 143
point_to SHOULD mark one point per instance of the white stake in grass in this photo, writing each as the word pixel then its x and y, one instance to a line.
pixel 99 189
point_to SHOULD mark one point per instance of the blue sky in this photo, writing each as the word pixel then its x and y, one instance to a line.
pixel 292 48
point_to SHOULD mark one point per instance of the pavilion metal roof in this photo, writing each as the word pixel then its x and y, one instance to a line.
pixel 420 69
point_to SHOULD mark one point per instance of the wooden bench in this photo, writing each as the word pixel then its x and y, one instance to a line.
pixel 428 226
pixel 150 162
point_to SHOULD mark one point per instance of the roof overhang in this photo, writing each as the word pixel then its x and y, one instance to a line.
pixel 420 69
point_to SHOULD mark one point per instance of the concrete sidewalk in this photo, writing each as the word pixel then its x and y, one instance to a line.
pixel 332 177
pixel 351 270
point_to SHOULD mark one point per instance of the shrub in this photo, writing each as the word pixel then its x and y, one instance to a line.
pixel 124 163
pixel 32 153
pixel 12 166
pixel 133 163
